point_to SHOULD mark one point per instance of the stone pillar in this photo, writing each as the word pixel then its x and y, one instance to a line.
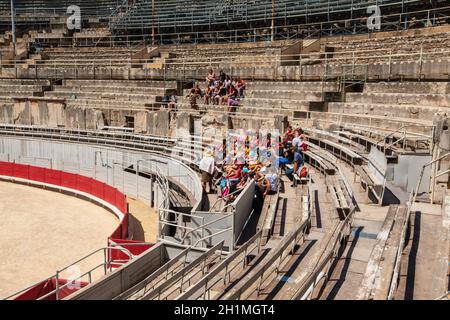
pixel 280 123
pixel 184 125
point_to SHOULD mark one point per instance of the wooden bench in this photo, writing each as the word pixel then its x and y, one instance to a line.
pixel 338 150
pixel 267 216
pixel 370 184
pixel 319 163
pixel 302 181
pixel 341 201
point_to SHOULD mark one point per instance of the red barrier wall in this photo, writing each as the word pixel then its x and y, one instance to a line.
pixel 72 181
pixel 87 185
pixel 46 287
pixel 130 245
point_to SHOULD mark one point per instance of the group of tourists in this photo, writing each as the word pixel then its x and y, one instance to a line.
pixel 291 151
pixel 220 89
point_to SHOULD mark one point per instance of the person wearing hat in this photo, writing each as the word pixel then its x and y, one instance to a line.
pixel 207 166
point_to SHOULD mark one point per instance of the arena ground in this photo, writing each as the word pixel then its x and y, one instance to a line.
pixel 40 226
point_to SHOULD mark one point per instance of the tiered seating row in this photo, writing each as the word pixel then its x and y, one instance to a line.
pixel 410 100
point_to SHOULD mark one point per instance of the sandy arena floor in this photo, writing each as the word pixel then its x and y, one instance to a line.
pixel 42 231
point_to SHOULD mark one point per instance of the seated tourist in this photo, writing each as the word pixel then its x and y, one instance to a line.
pixel 165 101
pixel 288 136
pixel 296 141
pixel 273 180
pixel 232 100
pixel 215 97
pixel 227 82
pixel 235 173
pixel 211 77
pixel 208 93
pixel 222 76
pixel 223 94
pixel 236 188
pixel 198 91
pixel 240 86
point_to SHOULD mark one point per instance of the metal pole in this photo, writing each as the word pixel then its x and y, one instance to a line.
pixel 273 20
pixel 153 22
pixel 13 26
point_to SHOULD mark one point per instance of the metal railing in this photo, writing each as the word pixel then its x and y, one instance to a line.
pixel 348 59
pixel 404 136
pixel 106 265
pixel 393 21
pixel 271 265
pixel 221 274
pixel 156 144
pixel 401 247
pixel 326 259
pixel 336 240
pixel 411 202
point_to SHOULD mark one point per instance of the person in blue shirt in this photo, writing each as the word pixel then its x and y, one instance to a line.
pixel 298 159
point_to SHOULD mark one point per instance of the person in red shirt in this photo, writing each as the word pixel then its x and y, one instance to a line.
pixel 241 85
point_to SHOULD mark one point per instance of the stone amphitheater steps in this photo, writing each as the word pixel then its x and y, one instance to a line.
pixel 284 95
pixel 122 83
pixel 406 111
pixel 408 87
pixel 102 95
pixel 438 100
pixel 106 89
pixel 293 86
pixel 106 104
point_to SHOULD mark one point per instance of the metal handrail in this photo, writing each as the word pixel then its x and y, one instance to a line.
pixel 237 34
pixel 222 199
pixel 56 276
pixel 314 276
pixel 398 257
pixel 203 226
pixel 416 191
pixel 213 235
pixel 223 266
pixel 220 61
pixel 412 200
pixel 291 239
pixel 404 137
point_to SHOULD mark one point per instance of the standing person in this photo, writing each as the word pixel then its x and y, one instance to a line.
pixel 173 102
pixel 298 159
pixel 207 166
pixel 297 140
pixel 211 77
pixel 193 96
